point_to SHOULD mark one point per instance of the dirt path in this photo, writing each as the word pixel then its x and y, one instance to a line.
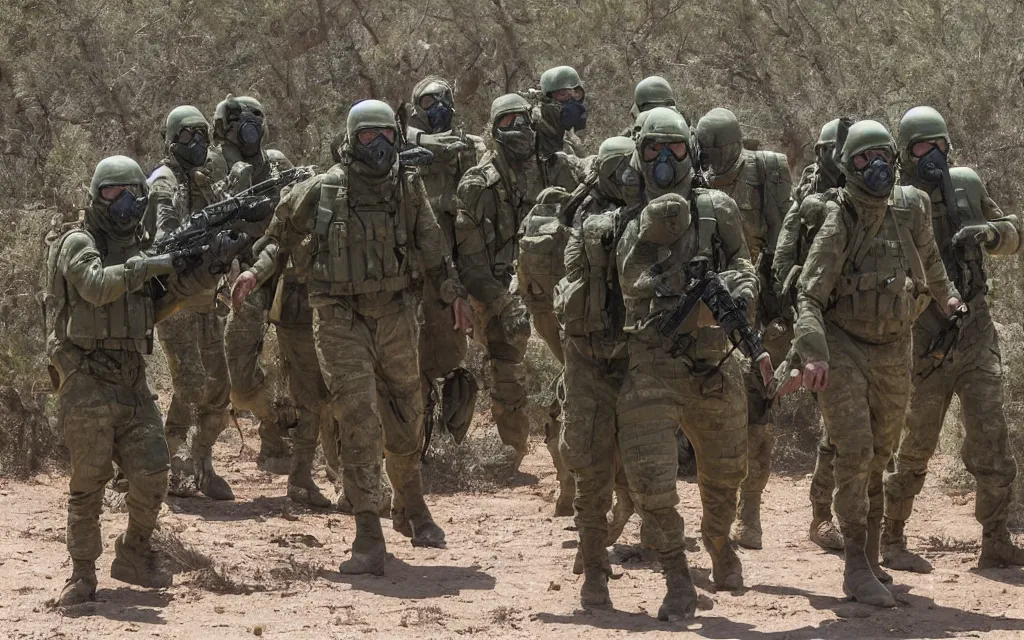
pixel 506 573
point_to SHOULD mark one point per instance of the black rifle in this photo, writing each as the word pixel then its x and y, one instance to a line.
pixel 251 205
pixel 731 314
pixel 942 345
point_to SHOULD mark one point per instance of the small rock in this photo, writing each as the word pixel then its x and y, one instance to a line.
pixel 554 586
pixel 257 630
pixel 218 609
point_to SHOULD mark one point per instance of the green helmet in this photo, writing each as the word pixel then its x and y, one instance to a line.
pixel 232 106
pixel 509 103
pixel 720 139
pixel 369 114
pixel 117 170
pixel 653 91
pixel 864 136
pixel 922 123
pixel 666 173
pixel 431 86
pixel 559 78
pixel 181 117
pixel 828 134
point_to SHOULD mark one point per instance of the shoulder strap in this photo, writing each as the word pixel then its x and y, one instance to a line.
pixel 329 190
pixel 900 210
pixel 706 223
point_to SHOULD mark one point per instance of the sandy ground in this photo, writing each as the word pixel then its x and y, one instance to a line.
pixel 506 572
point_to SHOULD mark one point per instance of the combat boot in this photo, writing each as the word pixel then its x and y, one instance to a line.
pixel 998 550
pixel 344 505
pixel 410 515
pixel 210 483
pixel 726 568
pixel 596 570
pixel 825 534
pixel 274 456
pixel 182 482
pixel 895 554
pixel 746 529
pixel 136 562
pixel 81 586
pixel 871 550
pixel 680 601
pixel 368 549
pixel 301 487
pixel 859 581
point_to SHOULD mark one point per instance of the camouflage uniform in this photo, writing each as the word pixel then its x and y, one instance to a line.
pixel 495 197
pixel 193 340
pixel 867 273
pixel 101 312
pixel 369 228
pixel 246 327
pixel 442 347
pixel 677 383
pixel 589 306
pixel 759 183
pixel 798 230
pixel 972 369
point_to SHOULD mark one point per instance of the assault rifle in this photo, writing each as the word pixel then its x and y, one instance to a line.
pixel 254 204
pixel 704 285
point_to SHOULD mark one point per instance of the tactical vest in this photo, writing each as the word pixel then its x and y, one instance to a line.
pixel 591 301
pixel 360 241
pixel 501 235
pixel 541 261
pixel 757 189
pixel 704 241
pixel 879 294
pixel 123 325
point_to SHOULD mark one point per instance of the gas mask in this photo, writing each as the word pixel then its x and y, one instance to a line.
pixel 933 166
pixel 517 139
pixel 191 153
pixel 665 167
pixel 249 132
pixel 573 115
pixel 126 210
pixel 440 115
pixel 378 155
pixel 878 177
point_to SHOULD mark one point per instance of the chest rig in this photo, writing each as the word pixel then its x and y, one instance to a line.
pixel 361 236
pixel 125 324
pixel 882 287
pixel 965 266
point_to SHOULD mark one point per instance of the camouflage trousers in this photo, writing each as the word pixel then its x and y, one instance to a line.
pixel 660 395
pixel 547 327
pixel 110 415
pixel 823 481
pixel 505 355
pixel 974 373
pixel 250 387
pixel 193 343
pixel 589 440
pixel 372 372
pixel 863 409
pixel 759 434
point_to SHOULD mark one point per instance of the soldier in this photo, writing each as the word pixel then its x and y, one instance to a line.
pixel 240 126
pixel 193 340
pixel 794 242
pixel 442 347
pixel 687 380
pixel 101 309
pixel 759 183
pixel 369 228
pixel 651 92
pixel 589 305
pixel 562 109
pixel 963 360
pixel 867 274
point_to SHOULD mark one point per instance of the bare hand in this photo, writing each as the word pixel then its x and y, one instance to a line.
pixel 792 383
pixel 463 316
pixel 816 376
pixel 766 368
pixel 241 289
pixel 954 304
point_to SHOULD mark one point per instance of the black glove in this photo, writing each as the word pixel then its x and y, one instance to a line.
pixel 257 209
pixel 225 246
